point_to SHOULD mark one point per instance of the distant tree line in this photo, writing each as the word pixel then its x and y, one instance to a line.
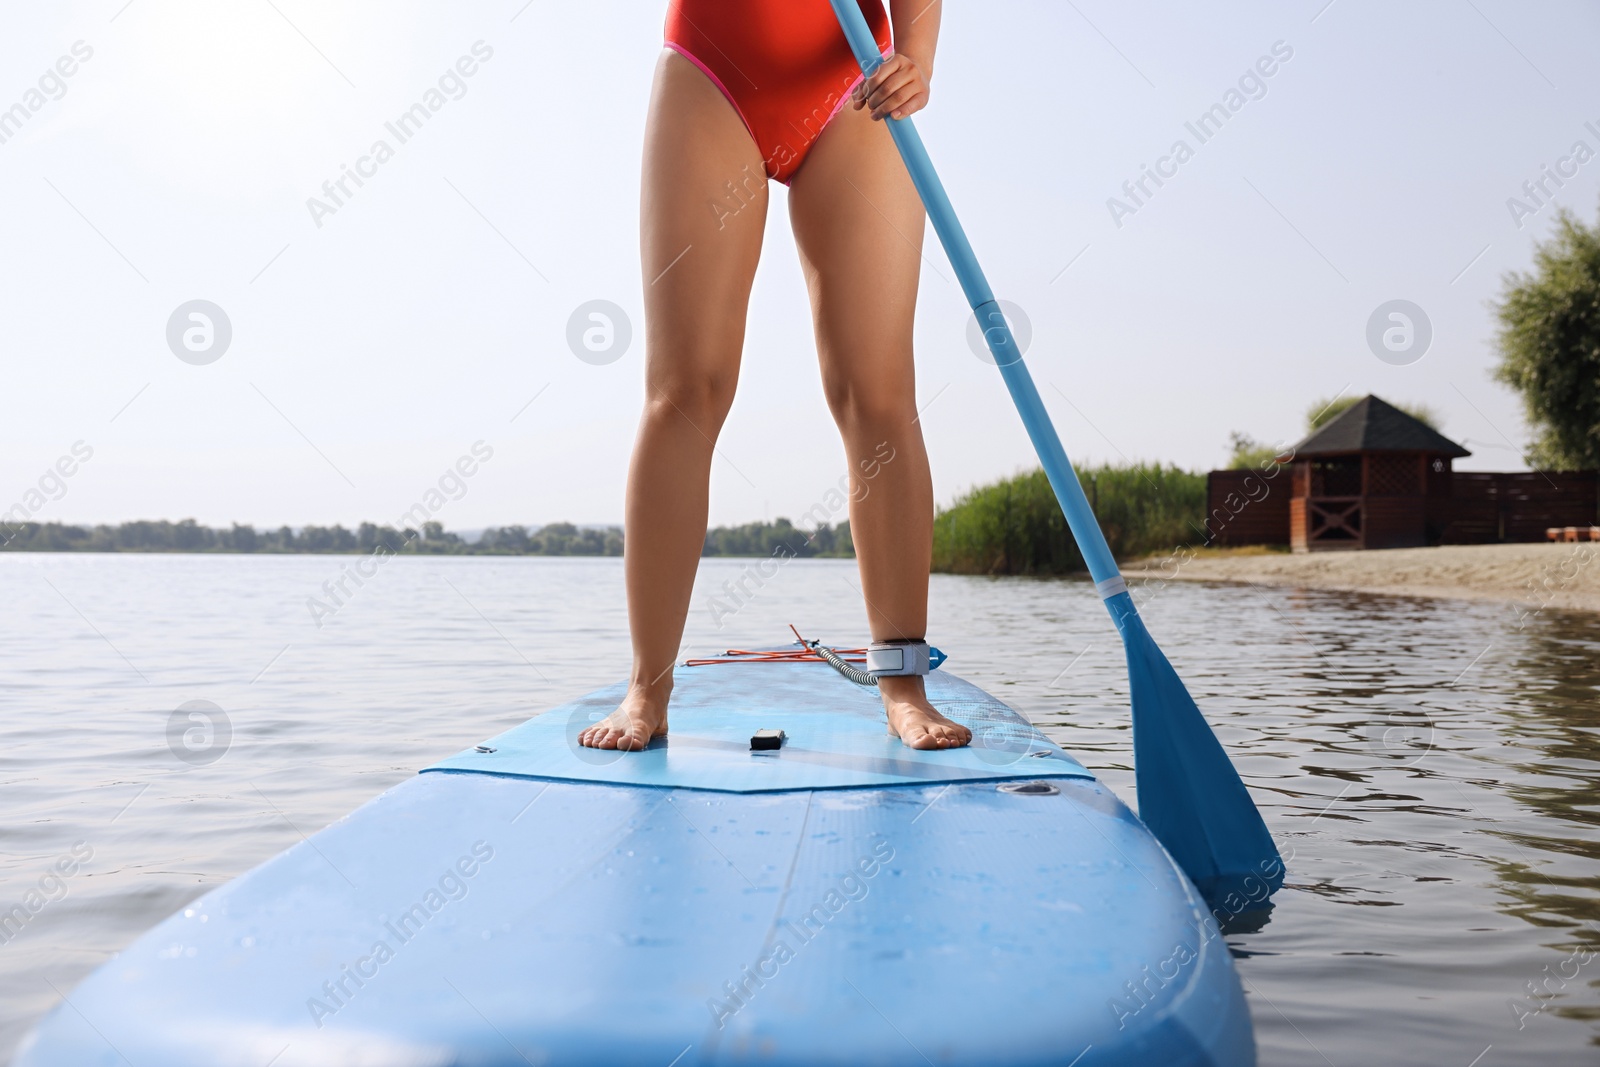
pixel 768 539
pixel 556 539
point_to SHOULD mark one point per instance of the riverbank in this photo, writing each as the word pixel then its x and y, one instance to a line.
pixel 1532 575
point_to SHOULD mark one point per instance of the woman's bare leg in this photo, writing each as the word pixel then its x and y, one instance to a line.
pixel 858 223
pixel 699 246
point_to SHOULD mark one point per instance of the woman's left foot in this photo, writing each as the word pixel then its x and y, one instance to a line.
pixel 913 719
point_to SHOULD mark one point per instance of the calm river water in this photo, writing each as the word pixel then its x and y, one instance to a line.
pixel 1431 767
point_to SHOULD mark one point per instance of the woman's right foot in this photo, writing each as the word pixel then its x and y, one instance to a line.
pixel 638 720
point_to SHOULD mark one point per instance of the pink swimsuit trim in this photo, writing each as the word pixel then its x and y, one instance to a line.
pixel 723 89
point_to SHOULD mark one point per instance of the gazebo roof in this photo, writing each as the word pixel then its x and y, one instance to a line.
pixel 1374 425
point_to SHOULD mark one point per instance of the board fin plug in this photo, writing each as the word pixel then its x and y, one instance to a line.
pixel 767 740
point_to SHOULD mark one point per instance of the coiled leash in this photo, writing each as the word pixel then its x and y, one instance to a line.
pixel 885 659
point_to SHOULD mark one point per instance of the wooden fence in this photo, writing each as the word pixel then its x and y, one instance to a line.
pixel 1486 508
pixel 1252 508
pixel 1248 507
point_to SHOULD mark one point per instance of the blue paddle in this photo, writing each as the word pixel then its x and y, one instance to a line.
pixel 1190 795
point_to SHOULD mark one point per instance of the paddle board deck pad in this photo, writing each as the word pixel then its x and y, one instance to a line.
pixel 841 900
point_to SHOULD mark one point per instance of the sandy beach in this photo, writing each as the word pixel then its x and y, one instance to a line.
pixel 1533 575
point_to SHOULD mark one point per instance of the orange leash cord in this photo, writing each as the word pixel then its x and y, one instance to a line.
pixel 782 655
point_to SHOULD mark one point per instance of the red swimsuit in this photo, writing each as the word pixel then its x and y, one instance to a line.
pixel 784 65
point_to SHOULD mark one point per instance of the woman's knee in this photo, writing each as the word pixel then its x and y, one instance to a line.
pixel 869 405
pixel 702 396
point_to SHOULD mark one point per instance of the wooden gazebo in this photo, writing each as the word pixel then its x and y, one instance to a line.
pixel 1372 477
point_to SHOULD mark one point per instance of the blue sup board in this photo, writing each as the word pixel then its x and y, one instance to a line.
pixel 843 899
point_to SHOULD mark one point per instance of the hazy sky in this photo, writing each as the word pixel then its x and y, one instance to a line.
pixel 370 352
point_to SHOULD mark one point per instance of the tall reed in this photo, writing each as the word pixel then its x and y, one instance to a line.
pixel 1015 526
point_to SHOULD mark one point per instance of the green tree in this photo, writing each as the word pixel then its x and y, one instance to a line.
pixel 1550 345
pixel 1248 454
pixel 504 540
pixel 438 541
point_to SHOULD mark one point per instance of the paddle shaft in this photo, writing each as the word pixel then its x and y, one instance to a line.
pixel 996 332
pixel 1189 792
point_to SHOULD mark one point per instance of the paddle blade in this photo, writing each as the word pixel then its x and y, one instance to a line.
pixel 1190 796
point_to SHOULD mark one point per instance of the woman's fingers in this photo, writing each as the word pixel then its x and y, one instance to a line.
pixel 906 103
pixel 885 91
pixel 895 89
pixel 867 86
pixel 891 71
pixel 903 101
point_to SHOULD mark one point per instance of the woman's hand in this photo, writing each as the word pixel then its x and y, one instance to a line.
pixel 897 89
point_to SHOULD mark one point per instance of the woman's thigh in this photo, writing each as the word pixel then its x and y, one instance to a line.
pixel 703 207
pixel 858 223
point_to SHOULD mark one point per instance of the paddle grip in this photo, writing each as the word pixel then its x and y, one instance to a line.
pixel 996 331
